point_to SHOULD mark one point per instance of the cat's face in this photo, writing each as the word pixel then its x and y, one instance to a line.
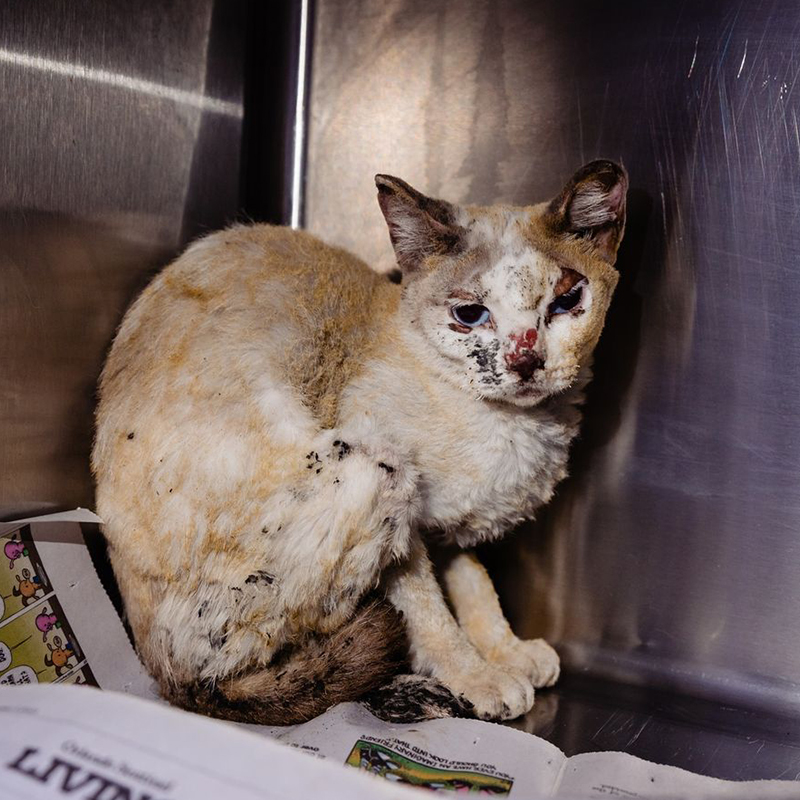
pixel 510 301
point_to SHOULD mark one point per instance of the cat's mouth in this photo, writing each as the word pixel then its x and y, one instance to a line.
pixel 529 391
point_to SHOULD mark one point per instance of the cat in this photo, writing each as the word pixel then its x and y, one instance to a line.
pixel 281 432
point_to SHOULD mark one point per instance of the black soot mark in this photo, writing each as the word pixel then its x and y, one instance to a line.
pixel 261 577
pixel 342 449
pixel 413 701
pixel 313 459
pixel 486 361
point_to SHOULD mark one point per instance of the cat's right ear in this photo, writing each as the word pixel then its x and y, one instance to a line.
pixel 419 226
pixel 592 207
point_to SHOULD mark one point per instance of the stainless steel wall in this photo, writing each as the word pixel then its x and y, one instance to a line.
pixel 120 125
pixel 672 555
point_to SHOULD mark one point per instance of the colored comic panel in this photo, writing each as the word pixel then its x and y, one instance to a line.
pixel 38 646
pixel 23 580
pixel 82 676
pixel 388 764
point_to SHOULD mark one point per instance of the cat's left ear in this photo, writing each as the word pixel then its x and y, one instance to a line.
pixel 419 226
pixel 592 206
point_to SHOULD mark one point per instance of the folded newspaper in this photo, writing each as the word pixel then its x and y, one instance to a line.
pixel 58 628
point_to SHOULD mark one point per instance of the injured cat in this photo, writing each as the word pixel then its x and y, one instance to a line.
pixel 282 432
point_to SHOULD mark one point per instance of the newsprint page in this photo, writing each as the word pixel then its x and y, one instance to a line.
pixel 80 718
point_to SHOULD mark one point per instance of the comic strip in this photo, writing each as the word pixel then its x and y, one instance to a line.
pixel 57 623
pixel 23 580
pixel 80 677
pixel 37 643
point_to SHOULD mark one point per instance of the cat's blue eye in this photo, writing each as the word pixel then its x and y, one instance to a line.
pixel 567 301
pixel 471 315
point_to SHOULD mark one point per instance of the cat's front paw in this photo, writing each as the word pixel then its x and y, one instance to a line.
pixel 494 692
pixel 533 657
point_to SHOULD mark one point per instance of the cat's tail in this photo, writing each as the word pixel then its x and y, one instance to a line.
pixel 366 653
pixel 414 698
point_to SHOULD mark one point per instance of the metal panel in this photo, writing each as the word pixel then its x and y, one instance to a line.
pixel 711 738
pixel 671 555
pixel 108 115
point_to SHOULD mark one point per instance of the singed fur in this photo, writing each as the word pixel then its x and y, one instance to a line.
pixel 280 429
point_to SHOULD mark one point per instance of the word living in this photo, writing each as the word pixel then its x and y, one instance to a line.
pixel 72 780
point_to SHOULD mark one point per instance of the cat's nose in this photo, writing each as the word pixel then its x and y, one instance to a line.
pixel 524 341
pixel 522 359
pixel 525 365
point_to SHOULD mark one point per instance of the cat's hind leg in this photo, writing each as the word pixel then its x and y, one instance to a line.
pixel 282 630
pixel 306 679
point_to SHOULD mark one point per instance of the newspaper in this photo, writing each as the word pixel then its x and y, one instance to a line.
pixel 57 625
pixel 63 741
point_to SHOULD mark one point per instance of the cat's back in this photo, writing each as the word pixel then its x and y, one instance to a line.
pixel 242 301
pixel 276 276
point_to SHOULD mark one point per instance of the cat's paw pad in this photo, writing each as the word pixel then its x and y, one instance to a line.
pixel 535 658
pixel 494 692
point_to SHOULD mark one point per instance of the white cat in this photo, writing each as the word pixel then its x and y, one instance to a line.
pixel 280 430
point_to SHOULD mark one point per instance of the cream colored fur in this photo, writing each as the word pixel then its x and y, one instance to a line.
pixel 280 429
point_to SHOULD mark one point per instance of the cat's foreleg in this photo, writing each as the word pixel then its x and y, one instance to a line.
pixel 479 614
pixel 441 649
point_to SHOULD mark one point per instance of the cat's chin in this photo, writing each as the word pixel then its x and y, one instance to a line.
pixel 527 397
pixel 523 398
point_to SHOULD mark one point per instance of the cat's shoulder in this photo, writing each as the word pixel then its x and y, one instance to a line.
pixel 272 250
pixel 258 265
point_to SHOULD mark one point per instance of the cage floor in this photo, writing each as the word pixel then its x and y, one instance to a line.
pixel 583 715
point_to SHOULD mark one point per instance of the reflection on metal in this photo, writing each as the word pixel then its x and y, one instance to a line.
pixel 736 744
pixel 113 154
pixel 300 111
pixel 126 82
pixel 670 557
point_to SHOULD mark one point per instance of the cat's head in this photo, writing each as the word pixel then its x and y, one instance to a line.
pixel 509 301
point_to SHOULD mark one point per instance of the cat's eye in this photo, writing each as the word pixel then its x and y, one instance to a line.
pixel 569 300
pixel 472 315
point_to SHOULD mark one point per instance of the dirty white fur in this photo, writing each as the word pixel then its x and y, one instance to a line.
pixel 280 430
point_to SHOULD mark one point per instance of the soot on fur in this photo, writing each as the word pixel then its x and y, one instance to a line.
pixel 413 698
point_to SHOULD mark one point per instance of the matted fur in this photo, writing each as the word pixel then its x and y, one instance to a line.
pixel 280 428
pixel 414 698
pixel 363 655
